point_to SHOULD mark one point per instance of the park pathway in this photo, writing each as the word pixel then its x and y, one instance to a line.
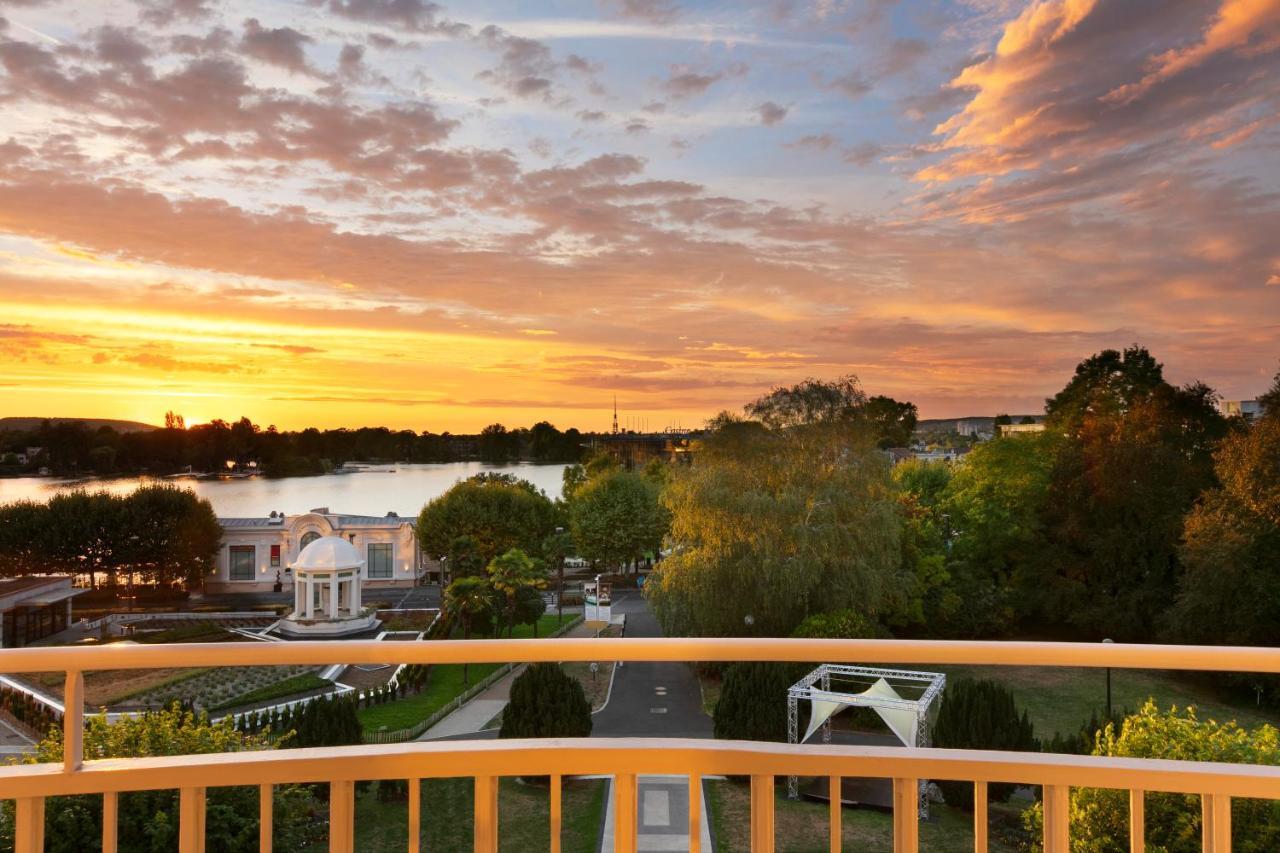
pixel 654 700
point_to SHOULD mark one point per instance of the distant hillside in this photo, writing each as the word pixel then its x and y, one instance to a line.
pixel 26 424
pixel 984 423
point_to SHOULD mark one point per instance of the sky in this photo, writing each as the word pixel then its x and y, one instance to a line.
pixel 391 212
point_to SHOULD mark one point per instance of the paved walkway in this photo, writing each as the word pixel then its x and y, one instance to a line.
pixel 472 717
pixel 654 700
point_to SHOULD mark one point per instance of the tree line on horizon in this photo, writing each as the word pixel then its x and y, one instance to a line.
pixel 73 448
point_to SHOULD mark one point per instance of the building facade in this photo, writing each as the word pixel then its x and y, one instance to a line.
pixel 34 607
pixel 256 552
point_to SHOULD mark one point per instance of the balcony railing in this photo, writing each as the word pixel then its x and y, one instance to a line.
pixel 624 759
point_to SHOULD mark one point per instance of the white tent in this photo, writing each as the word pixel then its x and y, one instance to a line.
pixel 907 718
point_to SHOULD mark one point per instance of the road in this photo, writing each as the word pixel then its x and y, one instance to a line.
pixel 654 700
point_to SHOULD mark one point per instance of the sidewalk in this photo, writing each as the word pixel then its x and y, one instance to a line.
pixel 473 716
pixel 662 820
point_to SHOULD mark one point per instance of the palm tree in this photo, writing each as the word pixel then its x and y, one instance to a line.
pixel 512 572
pixel 465 600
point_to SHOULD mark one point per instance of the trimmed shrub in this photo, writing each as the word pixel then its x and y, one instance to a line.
pixel 753 701
pixel 980 714
pixel 546 703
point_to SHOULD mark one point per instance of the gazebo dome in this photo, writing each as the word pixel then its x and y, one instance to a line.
pixel 328 553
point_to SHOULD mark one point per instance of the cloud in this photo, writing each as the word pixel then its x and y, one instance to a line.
pixel 771 113
pixel 415 16
pixel 281 46
pixel 652 11
pixel 685 82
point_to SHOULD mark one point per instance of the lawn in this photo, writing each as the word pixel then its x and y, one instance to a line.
pixel 443 686
pixel 1060 699
pixel 447 809
pixel 801 826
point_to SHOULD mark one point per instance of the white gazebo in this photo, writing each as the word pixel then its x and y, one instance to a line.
pixel 326 591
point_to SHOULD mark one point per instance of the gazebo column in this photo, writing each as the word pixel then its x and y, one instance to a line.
pixel 297 597
pixel 355 593
pixel 333 597
pixel 309 593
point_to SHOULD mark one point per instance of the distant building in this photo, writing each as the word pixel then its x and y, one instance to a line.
pixel 1247 409
pixel 635 450
pixel 257 552
pixel 973 426
pixel 34 607
pixel 1014 429
pixel 939 455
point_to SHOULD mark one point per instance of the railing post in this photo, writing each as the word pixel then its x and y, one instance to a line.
pixel 1215 810
pixel 554 828
pixel 695 813
pixel 762 817
pixel 28 830
pixel 834 829
pixel 486 814
pixel 342 816
pixel 1057 817
pixel 111 821
pixel 266 814
pixel 415 815
pixel 981 822
pixel 191 820
pixel 624 813
pixel 906 816
pixel 73 722
pixel 1137 821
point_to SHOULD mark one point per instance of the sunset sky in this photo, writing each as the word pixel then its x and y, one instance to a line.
pixel 362 212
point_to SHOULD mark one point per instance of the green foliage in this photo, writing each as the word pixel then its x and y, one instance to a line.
pixel 1230 541
pixel 545 702
pixel 615 517
pixel 980 714
pixel 510 575
pixel 753 701
pixel 990 512
pixel 779 523
pixel 497 514
pixel 842 625
pixel 148 820
pixel 163 533
pixel 1081 741
pixel 892 422
pixel 1099 818
pixel 464 557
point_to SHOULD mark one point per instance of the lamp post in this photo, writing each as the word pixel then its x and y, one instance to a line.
pixel 1108 640
pixel 560 567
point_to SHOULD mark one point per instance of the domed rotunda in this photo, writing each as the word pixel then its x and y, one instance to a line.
pixel 326 591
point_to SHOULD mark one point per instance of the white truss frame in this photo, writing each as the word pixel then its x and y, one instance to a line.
pixel 817 685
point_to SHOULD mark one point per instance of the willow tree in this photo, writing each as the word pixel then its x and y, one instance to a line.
pixel 780 518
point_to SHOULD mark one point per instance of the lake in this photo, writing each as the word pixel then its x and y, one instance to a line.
pixel 376 492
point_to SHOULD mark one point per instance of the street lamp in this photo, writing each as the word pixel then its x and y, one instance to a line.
pixel 1108 640
pixel 560 593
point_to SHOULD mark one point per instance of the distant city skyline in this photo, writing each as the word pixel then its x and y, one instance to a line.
pixel 388 212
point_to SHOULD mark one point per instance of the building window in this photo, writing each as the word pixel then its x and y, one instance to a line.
pixel 307 538
pixel 380 559
pixel 275 556
pixel 242 562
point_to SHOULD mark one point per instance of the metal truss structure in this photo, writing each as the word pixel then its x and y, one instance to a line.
pixel 817 685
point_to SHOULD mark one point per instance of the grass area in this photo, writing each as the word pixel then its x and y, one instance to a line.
pixel 547 624
pixel 200 632
pixel 288 687
pixel 443 686
pixel 801 826
pixel 1060 699
pixel 447 817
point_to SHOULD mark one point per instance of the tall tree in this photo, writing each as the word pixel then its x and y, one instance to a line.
pixel 891 421
pixel 1138 452
pixel 616 517
pixel 780 518
pixel 498 515
pixel 469 602
pixel 512 573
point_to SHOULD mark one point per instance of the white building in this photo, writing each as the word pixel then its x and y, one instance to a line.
pixel 257 552
pixel 1247 409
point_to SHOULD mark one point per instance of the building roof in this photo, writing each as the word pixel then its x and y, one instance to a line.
pixel 328 553
pixel 338 520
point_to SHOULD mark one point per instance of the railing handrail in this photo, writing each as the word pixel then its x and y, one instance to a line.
pixel 608 756
pixel 936 652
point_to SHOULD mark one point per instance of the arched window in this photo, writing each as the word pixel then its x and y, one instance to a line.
pixel 307 538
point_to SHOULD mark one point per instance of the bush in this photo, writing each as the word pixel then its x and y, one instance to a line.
pixel 753 701
pixel 1100 818
pixel 546 703
pixel 980 714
